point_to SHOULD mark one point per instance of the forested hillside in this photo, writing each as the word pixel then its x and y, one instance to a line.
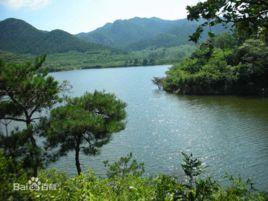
pixel 140 33
pixel 20 37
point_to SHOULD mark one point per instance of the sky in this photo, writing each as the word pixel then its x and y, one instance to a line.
pixel 77 16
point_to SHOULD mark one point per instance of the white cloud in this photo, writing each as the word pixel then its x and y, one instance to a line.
pixel 17 4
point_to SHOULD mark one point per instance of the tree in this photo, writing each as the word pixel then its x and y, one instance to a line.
pixel 196 189
pixel 251 60
pixel 224 41
pixel 125 166
pixel 84 124
pixel 249 17
pixel 16 146
pixel 191 166
pixel 136 62
pixel 151 61
pixel 25 91
pixel 145 62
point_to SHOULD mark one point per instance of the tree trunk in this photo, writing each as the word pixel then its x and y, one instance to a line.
pixel 33 152
pixel 35 157
pixel 77 161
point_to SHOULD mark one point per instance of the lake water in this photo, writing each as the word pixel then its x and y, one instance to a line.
pixel 229 134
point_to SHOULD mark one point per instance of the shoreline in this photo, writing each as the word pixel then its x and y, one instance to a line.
pixel 108 67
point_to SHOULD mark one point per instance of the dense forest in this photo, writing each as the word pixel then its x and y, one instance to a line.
pixel 228 63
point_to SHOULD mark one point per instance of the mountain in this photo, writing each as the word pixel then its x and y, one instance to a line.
pixel 20 37
pixel 134 34
pixel 140 33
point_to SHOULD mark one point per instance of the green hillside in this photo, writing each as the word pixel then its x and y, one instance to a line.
pixel 20 37
pixel 141 33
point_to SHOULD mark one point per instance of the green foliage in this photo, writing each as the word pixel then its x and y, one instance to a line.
pixel 248 17
pixel 239 70
pixel 234 63
pixel 105 58
pixel 125 166
pixel 224 41
pixel 167 188
pixel 120 186
pixel 10 173
pixel 9 57
pixel 25 91
pixel 29 89
pixel 191 166
pixel 132 187
pixel 90 119
pixel 17 146
pixel 251 59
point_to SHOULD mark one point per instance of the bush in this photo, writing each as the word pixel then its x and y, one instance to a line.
pixel 133 187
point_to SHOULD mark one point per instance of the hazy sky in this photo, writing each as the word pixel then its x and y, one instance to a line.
pixel 77 16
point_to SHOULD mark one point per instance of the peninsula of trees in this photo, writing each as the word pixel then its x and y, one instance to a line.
pixel 228 63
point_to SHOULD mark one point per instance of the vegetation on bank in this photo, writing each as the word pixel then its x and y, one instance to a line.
pixel 230 63
pixel 106 58
pixel 242 70
pixel 124 181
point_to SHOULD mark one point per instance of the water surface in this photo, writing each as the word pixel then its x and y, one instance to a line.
pixel 230 134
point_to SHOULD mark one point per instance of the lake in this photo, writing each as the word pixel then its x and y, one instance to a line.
pixel 229 134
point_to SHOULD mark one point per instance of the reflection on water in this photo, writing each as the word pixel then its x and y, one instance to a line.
pixel 230 134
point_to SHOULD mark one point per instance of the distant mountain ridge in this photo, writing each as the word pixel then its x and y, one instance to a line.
pixel 134 34
pixel 140 33
pixel 20 37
